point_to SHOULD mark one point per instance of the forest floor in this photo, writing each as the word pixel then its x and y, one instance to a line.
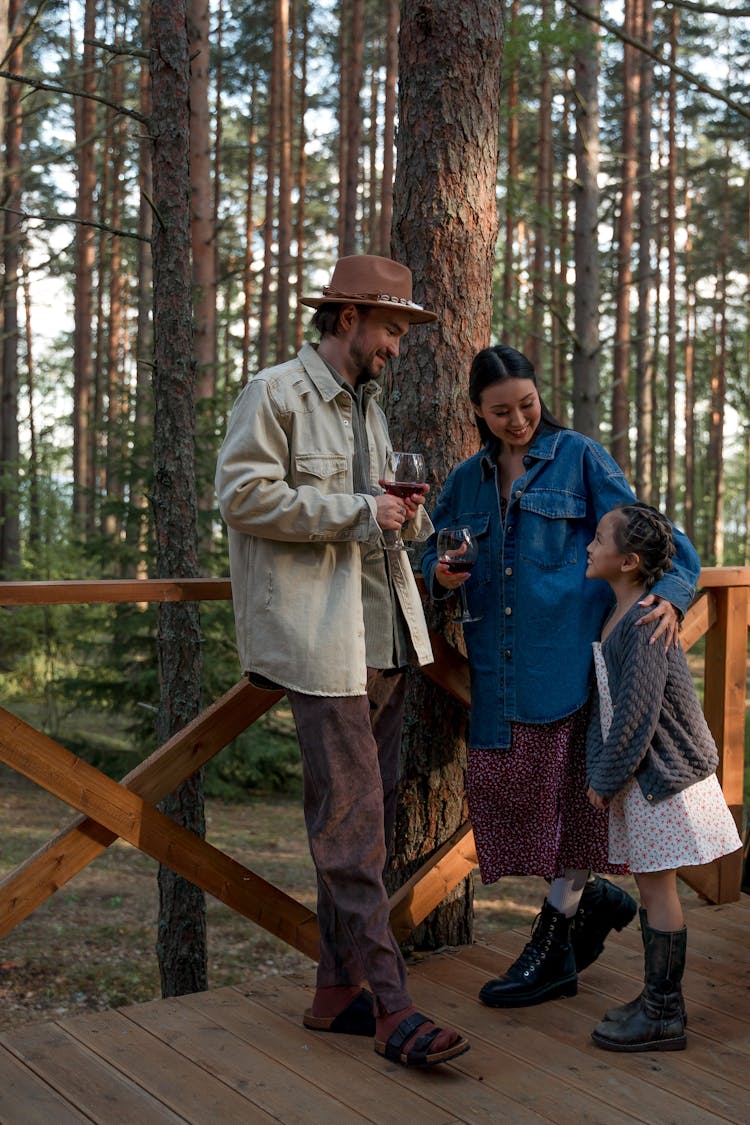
pixel 92 945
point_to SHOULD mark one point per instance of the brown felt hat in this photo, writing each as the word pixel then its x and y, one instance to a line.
pixel 366 279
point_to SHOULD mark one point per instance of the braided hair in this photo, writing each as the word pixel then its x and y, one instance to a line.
pixel 644 531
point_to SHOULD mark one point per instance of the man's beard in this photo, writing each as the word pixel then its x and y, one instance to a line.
pixel 364 372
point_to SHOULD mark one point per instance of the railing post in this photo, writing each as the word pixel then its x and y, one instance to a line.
pixel 724 706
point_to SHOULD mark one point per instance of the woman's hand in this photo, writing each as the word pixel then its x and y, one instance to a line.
pixel 597 801
pixel 668 622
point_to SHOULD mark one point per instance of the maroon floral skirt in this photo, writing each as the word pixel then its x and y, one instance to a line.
pixel 528 804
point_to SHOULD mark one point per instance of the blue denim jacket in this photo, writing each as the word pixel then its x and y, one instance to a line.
pixel 530 654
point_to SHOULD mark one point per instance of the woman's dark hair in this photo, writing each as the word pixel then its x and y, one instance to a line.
pixel 644 531
pixel 495 365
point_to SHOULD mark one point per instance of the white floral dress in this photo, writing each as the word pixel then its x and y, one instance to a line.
pixel 691 827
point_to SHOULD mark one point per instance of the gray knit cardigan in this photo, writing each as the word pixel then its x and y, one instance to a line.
pixel 658 732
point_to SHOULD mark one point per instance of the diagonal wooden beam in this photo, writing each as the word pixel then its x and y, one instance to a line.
pixel 434 880
pixel 125 814
pixel 83 839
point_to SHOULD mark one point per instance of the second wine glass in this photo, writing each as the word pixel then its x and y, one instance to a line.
pixel 458 550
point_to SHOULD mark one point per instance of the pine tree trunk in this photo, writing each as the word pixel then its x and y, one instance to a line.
pixel 586 390
pixel 83 481
pixel 301 31
pixel 138 471
pixel 511 178
pixel 644 366
pixel 389 126
pixel 353 126
pixel 620 442
pixel 10 526
pixel 285 185
pixel 536 345
pixel 445 228
pixel 181 946
pixel 671 388
pixel 249 223
pixel 264 338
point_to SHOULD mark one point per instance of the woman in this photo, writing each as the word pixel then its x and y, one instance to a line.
pixel 533 496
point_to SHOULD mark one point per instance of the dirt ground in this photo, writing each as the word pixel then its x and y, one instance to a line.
pixel 92 945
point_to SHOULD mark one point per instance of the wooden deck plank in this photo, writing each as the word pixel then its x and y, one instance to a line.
pixel 160 1070
pixel 521 1095
pixel 100 1093
pixel 262 1080
pixel 312 1056
pixel 566 1050
pixel 26 1099
pixel 708 979
pixel 241 1055
pixel 690 1074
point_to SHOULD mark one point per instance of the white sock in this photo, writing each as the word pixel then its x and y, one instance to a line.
pixel 565 893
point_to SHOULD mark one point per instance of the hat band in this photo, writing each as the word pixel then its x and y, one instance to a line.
pixel 387 298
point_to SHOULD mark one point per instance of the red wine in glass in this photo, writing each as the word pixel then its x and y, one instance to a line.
pixel 404 476
pixel 458 550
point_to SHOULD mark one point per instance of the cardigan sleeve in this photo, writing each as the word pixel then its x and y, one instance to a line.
pixel 638 675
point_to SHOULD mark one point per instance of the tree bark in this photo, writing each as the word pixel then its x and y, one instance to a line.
pixel 537 346
pixel 285 185
pixel 444 214
pixel 353 126
pixel 83 482
pixel 620 441
pixel 389 126
pixel 586 389
pixel 181 945
pixel 644 366
pixel 10 497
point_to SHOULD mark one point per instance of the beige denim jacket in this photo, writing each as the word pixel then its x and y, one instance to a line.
pixel 285 487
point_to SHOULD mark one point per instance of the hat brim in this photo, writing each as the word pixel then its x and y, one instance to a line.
pixel 413 313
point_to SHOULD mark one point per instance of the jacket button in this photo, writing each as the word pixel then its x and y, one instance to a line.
pixel 508 611
pixel 509 570
pixel 518 493
pixel 507 654
pixel 649 796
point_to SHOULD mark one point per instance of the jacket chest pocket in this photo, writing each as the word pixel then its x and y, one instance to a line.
pixel 325 471
pixel 552 527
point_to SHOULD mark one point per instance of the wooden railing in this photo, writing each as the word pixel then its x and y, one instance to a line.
pixel 110 810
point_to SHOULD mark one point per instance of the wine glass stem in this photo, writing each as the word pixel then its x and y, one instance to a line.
pixel 464 603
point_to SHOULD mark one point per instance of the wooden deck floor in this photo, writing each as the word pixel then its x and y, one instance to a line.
pixel 240 1055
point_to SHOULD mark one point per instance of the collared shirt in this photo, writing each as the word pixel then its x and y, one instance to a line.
pixel 385 631
pixel 530 654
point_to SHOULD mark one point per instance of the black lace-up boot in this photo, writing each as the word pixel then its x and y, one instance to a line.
pixel 603 907
pixel 545 969
pixel 657 1023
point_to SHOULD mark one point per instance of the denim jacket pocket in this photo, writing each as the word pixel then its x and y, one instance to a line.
pixel 552 520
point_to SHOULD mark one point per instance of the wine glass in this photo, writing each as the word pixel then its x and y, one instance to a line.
pixel 404 476
pixel 458 550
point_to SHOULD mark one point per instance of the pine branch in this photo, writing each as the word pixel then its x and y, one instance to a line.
pixel 708 9
pixel 134 52
pixel 74 219
pixel 38 85
pixel 640 46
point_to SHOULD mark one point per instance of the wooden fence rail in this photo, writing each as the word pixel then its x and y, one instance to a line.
pixel 110 810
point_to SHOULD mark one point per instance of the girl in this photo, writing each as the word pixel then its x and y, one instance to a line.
pixel 532 497
pixel 650 760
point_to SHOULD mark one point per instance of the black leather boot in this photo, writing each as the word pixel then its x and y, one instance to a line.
pixel 623 1011
pixel 656 1023
pixel 544 970
pixel 603 907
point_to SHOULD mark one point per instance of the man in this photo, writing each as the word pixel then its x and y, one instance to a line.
pixel 325 614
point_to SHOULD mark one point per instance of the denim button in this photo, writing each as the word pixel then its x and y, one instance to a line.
pixel 509 570
pixel 507 654
pixel 508 611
